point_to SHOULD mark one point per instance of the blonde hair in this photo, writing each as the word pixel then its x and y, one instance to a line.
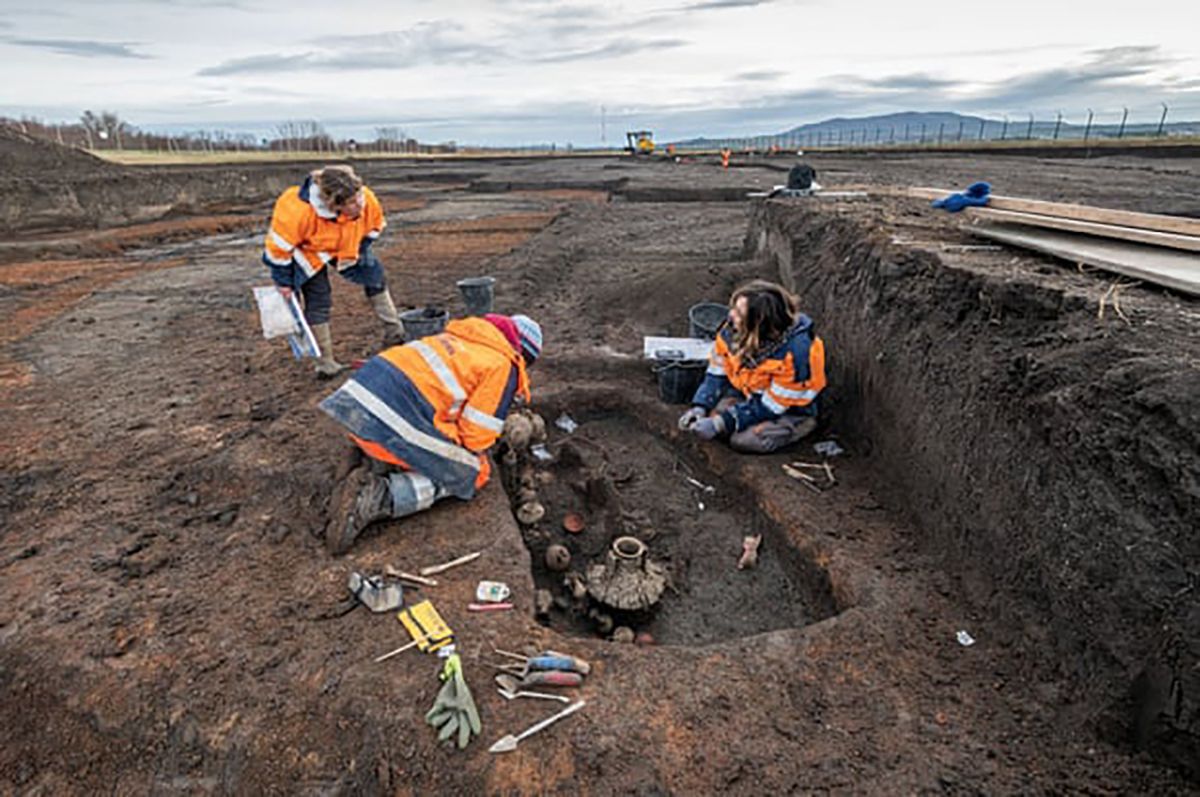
pixel 338 184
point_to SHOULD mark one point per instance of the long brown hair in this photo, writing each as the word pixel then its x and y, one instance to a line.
pixel 770 312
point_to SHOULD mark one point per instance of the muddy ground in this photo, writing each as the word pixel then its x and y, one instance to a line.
pixel 1017 467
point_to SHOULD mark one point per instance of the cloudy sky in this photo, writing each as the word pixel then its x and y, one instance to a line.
pixel 532 71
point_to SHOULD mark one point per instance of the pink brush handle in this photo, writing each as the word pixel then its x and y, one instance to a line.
pixel 488 607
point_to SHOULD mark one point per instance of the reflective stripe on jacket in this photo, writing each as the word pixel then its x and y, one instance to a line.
pixel 786 379
pixel 305 235
pixel 436 404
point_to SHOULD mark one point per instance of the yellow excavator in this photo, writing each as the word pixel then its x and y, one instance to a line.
pixel 639 142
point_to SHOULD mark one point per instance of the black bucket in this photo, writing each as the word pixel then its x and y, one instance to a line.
pixel 478 294
pixel 705 319
pixel 678 380
pixel 423 323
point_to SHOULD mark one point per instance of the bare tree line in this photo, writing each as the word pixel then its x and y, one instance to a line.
pixel 107 131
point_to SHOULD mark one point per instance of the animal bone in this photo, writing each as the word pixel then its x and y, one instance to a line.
pixel 749 556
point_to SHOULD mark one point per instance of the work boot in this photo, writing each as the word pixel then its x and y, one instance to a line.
pixel 385 308
pixel 360 500
pixel 326 366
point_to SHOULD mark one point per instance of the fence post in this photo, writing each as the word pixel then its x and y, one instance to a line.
pixel 1029 130
pixel 1162 121
pixel 1057 125
pixel 941 129
pixel 1087 130
pixel 1121 130
pixel 1004 130
pixel 982 124
pixel 961 122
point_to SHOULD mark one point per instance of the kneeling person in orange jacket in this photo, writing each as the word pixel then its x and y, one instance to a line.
pixel 425 413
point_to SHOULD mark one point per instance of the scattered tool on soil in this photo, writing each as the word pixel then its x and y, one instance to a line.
pixel 510 742
pixel 507 695
pixel 375 593
pixel 549 660
pixel 489 607
pixel 462 560
pixel 400 574
pixel 539 678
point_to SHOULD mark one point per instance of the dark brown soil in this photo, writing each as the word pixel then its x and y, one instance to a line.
pixel 1017 468
pixel 624 478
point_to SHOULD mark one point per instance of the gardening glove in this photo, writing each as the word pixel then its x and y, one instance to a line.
pixel 690 417
pixel 454 709
pixel 709 428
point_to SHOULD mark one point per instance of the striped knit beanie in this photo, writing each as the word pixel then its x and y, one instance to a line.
pixel 530 333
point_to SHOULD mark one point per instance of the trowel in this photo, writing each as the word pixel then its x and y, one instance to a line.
pixel 510 742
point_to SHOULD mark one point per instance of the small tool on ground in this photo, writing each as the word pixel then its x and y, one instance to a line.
pixel 508 695
pixel 510 742
pixel 428 630
pixel 400 574
pixel 521 680
pixel 375 593
pixel 462 560
pixel 489 607
pixel 548 660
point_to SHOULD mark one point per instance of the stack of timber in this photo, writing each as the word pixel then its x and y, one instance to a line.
pixel 1164 250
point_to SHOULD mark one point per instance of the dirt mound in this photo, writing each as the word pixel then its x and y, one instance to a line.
pixel 24 156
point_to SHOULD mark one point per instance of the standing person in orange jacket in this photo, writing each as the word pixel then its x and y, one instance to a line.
pixel 425 413
pixel 765 374
pixel 330 220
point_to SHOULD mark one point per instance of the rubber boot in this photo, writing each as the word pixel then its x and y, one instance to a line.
pixel 326 366
pixel 361 499
pixel 412 492
pixel 385 308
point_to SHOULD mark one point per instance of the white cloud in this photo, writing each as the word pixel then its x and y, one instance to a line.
pixel 514 71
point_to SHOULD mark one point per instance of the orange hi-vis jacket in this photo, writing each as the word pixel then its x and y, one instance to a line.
pixel 783 380
pixel 305 235
pixel 436 404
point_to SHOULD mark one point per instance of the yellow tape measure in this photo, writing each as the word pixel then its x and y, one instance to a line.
pixel 426 626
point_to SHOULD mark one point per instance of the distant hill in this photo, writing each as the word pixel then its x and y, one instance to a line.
pixel 915 127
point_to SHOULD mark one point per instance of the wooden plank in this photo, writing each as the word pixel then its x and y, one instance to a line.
pixel 1186 242
pixel 1164 267
pixel 1180 225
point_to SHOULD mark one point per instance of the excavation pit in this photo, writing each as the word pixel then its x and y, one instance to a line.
pixel 661 539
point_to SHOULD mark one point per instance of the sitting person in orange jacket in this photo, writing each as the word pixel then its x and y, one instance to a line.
pixel 764 376
pixel 425 413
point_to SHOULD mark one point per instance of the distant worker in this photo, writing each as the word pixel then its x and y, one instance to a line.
pixel 425 414
pixel 330 220
pixel 726 154
pixel 765 374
